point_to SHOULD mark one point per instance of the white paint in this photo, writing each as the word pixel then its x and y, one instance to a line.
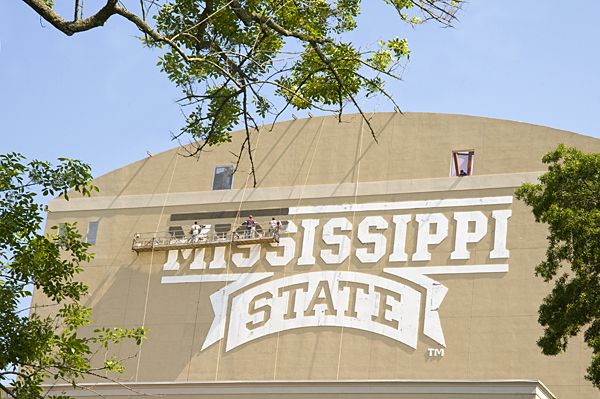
pixel 253 257
pixel 398 253
pixel 218 261
pixel 436 352
pixel 390 206
pixel 206 278
pixel 337 298
pixel 198 262
pixel 308 242
pixel 203 234
pixel 400 319
pixel 435 295
pixel 468 269
pixel 463 237
pixel 500 234
pixel 342 241
pixel 291 227
pixel 424 238
pixel 366 238
pixel 406 312
pixel 289 250
pixel 219 302
pixel 172 259
pixel 171 263
pixel 186 253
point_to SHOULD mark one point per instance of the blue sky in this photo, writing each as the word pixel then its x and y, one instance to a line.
pixel 98 96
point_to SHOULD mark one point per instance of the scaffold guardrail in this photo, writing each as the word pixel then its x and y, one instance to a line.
pixel 168 240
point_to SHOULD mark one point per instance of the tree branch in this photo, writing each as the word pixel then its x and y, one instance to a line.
pixel 8 391
pixel 342 86
pixel 69 28
pixel 248 17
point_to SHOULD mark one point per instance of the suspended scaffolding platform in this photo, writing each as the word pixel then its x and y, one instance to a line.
pixel 167 241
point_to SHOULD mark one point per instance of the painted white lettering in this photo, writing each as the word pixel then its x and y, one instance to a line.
pixel 171 263
pixel 253 257
pixel 322 296
pixel 198 262
pixel 265 310
pixel 186 253
pixel 398 253
pixel 291 291
pixel 462 232
pixel 291 227
pixel 388 312
pixel 365 237
pixel 322 299
pixel 500 233
pixel 220 299
pixel 353 296
pixel 289 248
pixel 218 261
pixel 425 238
pixel 308 242
pixel 342 241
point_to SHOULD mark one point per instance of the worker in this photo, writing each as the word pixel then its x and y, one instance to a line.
pixel 195 231
pixel 250 226
pixel 273 226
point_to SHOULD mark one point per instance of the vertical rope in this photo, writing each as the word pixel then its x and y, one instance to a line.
pixel 312 160
pixel 293 221
pixel 151 263
pixel 227 265
pixel 351 235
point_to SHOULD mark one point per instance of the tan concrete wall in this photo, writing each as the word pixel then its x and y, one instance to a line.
pixel 489 321
pixel 409 146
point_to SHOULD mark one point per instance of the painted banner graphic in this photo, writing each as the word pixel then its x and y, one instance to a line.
pixel 256 304
pixel 329 298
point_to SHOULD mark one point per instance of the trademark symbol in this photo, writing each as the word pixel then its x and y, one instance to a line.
pixel 436 352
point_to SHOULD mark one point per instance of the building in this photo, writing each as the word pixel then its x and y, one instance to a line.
pixel 391 276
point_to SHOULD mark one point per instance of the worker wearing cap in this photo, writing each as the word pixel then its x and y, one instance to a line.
pixel 249 226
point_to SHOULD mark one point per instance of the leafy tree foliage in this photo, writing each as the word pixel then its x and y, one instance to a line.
pixel 568 200
pixel 44 344
pixel 233 58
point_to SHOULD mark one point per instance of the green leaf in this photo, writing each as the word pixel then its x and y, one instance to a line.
pixel 34 345
pixel 567 199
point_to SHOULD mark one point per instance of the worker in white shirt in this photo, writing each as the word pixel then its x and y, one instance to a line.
pixel 195 232
pixel 273 226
